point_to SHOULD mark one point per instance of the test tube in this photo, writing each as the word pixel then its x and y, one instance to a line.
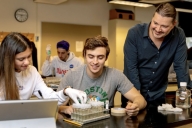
pixel 81 112
pixel 94 109
pixel 101 108
pixel 85 111
pixel 75 112
pixel 88 111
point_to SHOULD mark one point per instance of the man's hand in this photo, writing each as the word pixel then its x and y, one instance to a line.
pixel 132 109
pixel 75 94
pixel 48 58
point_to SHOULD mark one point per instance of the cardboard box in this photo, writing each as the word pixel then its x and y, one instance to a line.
pixel 121 14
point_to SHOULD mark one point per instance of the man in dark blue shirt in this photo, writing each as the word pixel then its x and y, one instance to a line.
pixel 149 51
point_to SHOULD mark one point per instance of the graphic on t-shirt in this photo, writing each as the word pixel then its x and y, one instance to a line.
pixel 96 93
pixel 93 98
pixel 71 66
pixel 20 87
pixel 60 71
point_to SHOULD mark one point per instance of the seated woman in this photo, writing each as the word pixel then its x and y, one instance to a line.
pixel 19 80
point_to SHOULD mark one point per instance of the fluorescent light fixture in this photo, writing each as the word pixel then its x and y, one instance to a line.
pixel 156 1
pixel 50 1
pixel 183 10
pixel 131 3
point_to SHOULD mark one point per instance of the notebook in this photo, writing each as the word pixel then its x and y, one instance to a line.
pixel 39 113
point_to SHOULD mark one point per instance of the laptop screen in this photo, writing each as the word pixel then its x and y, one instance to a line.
pixel 28 113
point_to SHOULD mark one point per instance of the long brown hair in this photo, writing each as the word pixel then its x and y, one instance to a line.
pixel 11 45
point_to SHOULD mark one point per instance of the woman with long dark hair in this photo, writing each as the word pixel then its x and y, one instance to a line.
pixel 19 79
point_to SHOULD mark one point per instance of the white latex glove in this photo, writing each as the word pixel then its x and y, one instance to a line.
pixel 74 94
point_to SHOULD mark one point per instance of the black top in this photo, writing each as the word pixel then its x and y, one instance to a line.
pixel 147 118
pixel 147 66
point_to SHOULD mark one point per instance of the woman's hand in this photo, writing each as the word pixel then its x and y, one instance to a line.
pixel 66 109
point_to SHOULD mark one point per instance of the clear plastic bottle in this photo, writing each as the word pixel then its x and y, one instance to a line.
pixel 183 96
pixel 48 50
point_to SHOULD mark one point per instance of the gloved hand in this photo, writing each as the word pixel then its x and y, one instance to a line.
pixel 74 94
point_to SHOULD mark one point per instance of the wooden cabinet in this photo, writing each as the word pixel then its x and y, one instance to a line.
pixel 30 36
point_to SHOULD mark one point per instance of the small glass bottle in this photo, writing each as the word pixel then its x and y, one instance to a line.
pixel 106 107
pixel 48 50
pixel 107 104
pixel 183 96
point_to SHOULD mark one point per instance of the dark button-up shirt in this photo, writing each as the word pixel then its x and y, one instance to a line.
pixel 147 66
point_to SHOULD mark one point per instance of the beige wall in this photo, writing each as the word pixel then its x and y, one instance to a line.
pixel 118 29
pixel 55 32
pixel 80 12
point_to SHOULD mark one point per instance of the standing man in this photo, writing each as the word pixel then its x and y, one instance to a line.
pixel 62 63
pixel 149 51
pixel 101 82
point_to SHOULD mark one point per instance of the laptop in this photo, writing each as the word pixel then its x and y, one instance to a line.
pixel 39 113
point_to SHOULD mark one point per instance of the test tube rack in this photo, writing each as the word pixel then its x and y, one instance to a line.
pixel 80 123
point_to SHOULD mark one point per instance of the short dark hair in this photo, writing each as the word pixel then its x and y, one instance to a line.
pixel 167 10
pixel 63 44
pixel 94 42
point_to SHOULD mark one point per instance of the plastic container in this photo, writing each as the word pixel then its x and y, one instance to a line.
pixel 183 96
pixel 107 104
pixel 106 109
pixel 48 50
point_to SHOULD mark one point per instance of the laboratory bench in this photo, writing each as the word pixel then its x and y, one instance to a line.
pixel 149 117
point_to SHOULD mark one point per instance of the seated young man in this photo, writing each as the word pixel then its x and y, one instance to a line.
pixel 100 81
pixel 60 64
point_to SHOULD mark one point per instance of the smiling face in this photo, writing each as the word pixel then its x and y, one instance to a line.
pixel 160 26
pixel 95 60
pixel 62 54
pixel 22 60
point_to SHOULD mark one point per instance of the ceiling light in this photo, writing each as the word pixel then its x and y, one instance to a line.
pixel 183 10
pixel 156 1
pixel 50 1
pixel 131 3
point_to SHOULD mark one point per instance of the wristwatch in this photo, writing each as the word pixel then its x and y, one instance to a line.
pixel 64 90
